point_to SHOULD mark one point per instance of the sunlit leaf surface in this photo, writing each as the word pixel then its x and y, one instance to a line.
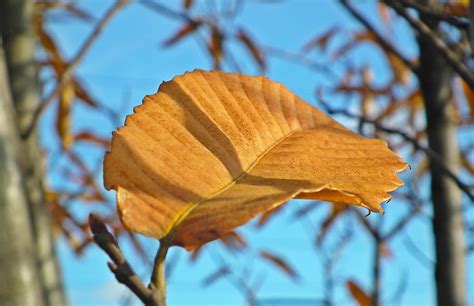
pixel 211 150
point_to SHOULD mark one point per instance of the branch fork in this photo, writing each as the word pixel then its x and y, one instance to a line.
pixel 152 295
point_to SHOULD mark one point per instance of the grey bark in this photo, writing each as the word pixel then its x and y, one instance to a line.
pixel 435 80
pixel 19 45
pixel 18 281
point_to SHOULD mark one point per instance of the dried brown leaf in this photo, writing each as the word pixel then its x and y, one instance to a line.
pixel 92 138
pixel 187 4
pixel 280 263
pixel 321 41
pixel 63 118
pixel 384 14
pixel 401 73
pixel 49 45
pixel 458 8
pixel 385 251
pixel 357 38
pixel 41 6
pixel 233 241
pixel 266 216
pixel 211 150
pixel 359 295
pixel 83 94
pixel 469 95
pixel 466 163
pixel 252 48
pixel 337 209
pixel 215 46
pixel 188 28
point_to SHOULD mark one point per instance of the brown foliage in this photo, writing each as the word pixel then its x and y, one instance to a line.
pixel 239 163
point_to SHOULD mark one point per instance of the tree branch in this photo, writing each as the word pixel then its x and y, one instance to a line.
pixel 383 42
pixel 436 14
pixel 120 267
pixel 67 74
pixel 423 30
pixel 434 157
pixel 154 294
pixel 401 223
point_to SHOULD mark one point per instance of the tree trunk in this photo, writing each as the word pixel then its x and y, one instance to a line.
pixel 18 283
pixel 435 80
pixel 19 45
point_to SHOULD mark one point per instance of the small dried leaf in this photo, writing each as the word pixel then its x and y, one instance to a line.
pixel 401 73
pixel 469 94
pixel 211 150
pixel 184 31
pixel 458 8
pixel 83 94
pixel 194 254
pixel 385 251
pixel 337 210
pixel 280 263
pixel 422 168
pixel 233 241
pixel 215 46
pixel 63 118
pixel 357 38
pixel 466 163
pixel 266 216
pixel 188 3
pixel 321 41
pixel 41 6
pixel 50 47
pixel 252 48
pixel 359 295
pixel 92 138
pixel 216 275
pixel 384 13
pixel 94 197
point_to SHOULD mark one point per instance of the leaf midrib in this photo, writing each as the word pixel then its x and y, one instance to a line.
pixel 182 217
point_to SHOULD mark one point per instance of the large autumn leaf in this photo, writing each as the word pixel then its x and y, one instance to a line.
pixel 211 150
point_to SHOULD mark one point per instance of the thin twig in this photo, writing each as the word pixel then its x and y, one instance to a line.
pixel 436 13
pixel 67 74
pixel 417 252
pixel 162 9
pixel 401 224
pixel 119 266
pixel 158 281
pixel 383 42
pixel 450 56
pixel 434 157
pixel 368 226
pixel 377 270
pixel 299 58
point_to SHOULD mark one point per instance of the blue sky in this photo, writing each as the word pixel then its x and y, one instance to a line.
pixel 128 62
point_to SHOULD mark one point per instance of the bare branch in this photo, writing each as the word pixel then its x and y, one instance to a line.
pixel 67 74
pixel 450 56
pixel 404 221
pixel 120 267
pixel 383 42
pixel 436 13
pixel 366 223
pixel 163 9
pixel 417 253
pixel 301 59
